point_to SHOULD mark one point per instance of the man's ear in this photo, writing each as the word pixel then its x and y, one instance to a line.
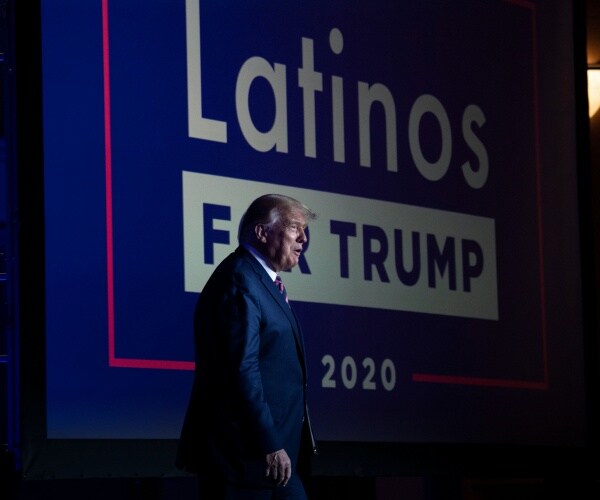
pixel 261 233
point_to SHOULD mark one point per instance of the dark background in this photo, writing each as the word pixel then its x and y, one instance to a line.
pixel 389 471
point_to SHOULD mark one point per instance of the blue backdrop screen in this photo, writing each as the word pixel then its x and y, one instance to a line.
pixel 440 290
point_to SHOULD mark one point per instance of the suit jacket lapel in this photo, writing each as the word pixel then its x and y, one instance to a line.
pixel 291 315
pixel 277 297
pixel 285 307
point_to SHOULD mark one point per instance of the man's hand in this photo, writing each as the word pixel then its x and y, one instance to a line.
pixel 279 466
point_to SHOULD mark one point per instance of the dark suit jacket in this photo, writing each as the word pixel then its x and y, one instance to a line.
pixel 249 392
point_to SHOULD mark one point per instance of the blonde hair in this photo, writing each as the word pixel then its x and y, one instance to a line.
pixel 268 209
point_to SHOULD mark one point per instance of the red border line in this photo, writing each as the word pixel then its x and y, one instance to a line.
pixel 113 360
pixel 479 381
pixel 108 187
pixel 509 383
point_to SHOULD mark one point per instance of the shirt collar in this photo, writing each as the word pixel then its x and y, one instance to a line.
pixel 259 257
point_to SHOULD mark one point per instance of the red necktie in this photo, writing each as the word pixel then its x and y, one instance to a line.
pixel 279 285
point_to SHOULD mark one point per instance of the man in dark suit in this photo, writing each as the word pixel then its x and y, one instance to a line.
pixel 247 428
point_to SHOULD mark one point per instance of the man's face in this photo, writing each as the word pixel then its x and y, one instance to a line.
pixel 282 243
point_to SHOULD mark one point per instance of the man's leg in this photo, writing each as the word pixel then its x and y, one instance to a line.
pixel 294 490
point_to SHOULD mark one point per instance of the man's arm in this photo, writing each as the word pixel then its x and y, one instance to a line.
pixel 240 322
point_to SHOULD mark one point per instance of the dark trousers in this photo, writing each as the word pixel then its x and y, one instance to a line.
pixel 215 489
